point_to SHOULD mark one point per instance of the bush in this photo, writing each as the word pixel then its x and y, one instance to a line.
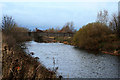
pixel 12 34
pixel 91 36
pixel 20 34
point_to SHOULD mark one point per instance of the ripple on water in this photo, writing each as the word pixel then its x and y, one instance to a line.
pixel 73 62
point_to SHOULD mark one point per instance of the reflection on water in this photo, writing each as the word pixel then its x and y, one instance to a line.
pixel 75 63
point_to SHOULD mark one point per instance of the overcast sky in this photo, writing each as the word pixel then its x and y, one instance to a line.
pixel 44 15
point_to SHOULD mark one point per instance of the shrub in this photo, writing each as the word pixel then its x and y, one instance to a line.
pixel 12 34
pixel 91 36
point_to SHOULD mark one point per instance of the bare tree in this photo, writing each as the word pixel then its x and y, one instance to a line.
pixel 68 27
pixel 102 17
pixel 113 24
pixel 118 28
pixel 8 24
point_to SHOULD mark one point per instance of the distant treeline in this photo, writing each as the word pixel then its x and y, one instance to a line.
pixel 67 28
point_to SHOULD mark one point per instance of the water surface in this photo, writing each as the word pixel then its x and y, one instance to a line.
pixel 74 63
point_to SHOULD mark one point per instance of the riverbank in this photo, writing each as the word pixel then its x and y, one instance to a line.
pixel 98 37
pixel 103 50
pixel 108 48
pixel 18 64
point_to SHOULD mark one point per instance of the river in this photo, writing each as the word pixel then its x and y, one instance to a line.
pixel 74 63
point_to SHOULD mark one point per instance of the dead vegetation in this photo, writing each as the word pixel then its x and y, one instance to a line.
pixel 16 63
